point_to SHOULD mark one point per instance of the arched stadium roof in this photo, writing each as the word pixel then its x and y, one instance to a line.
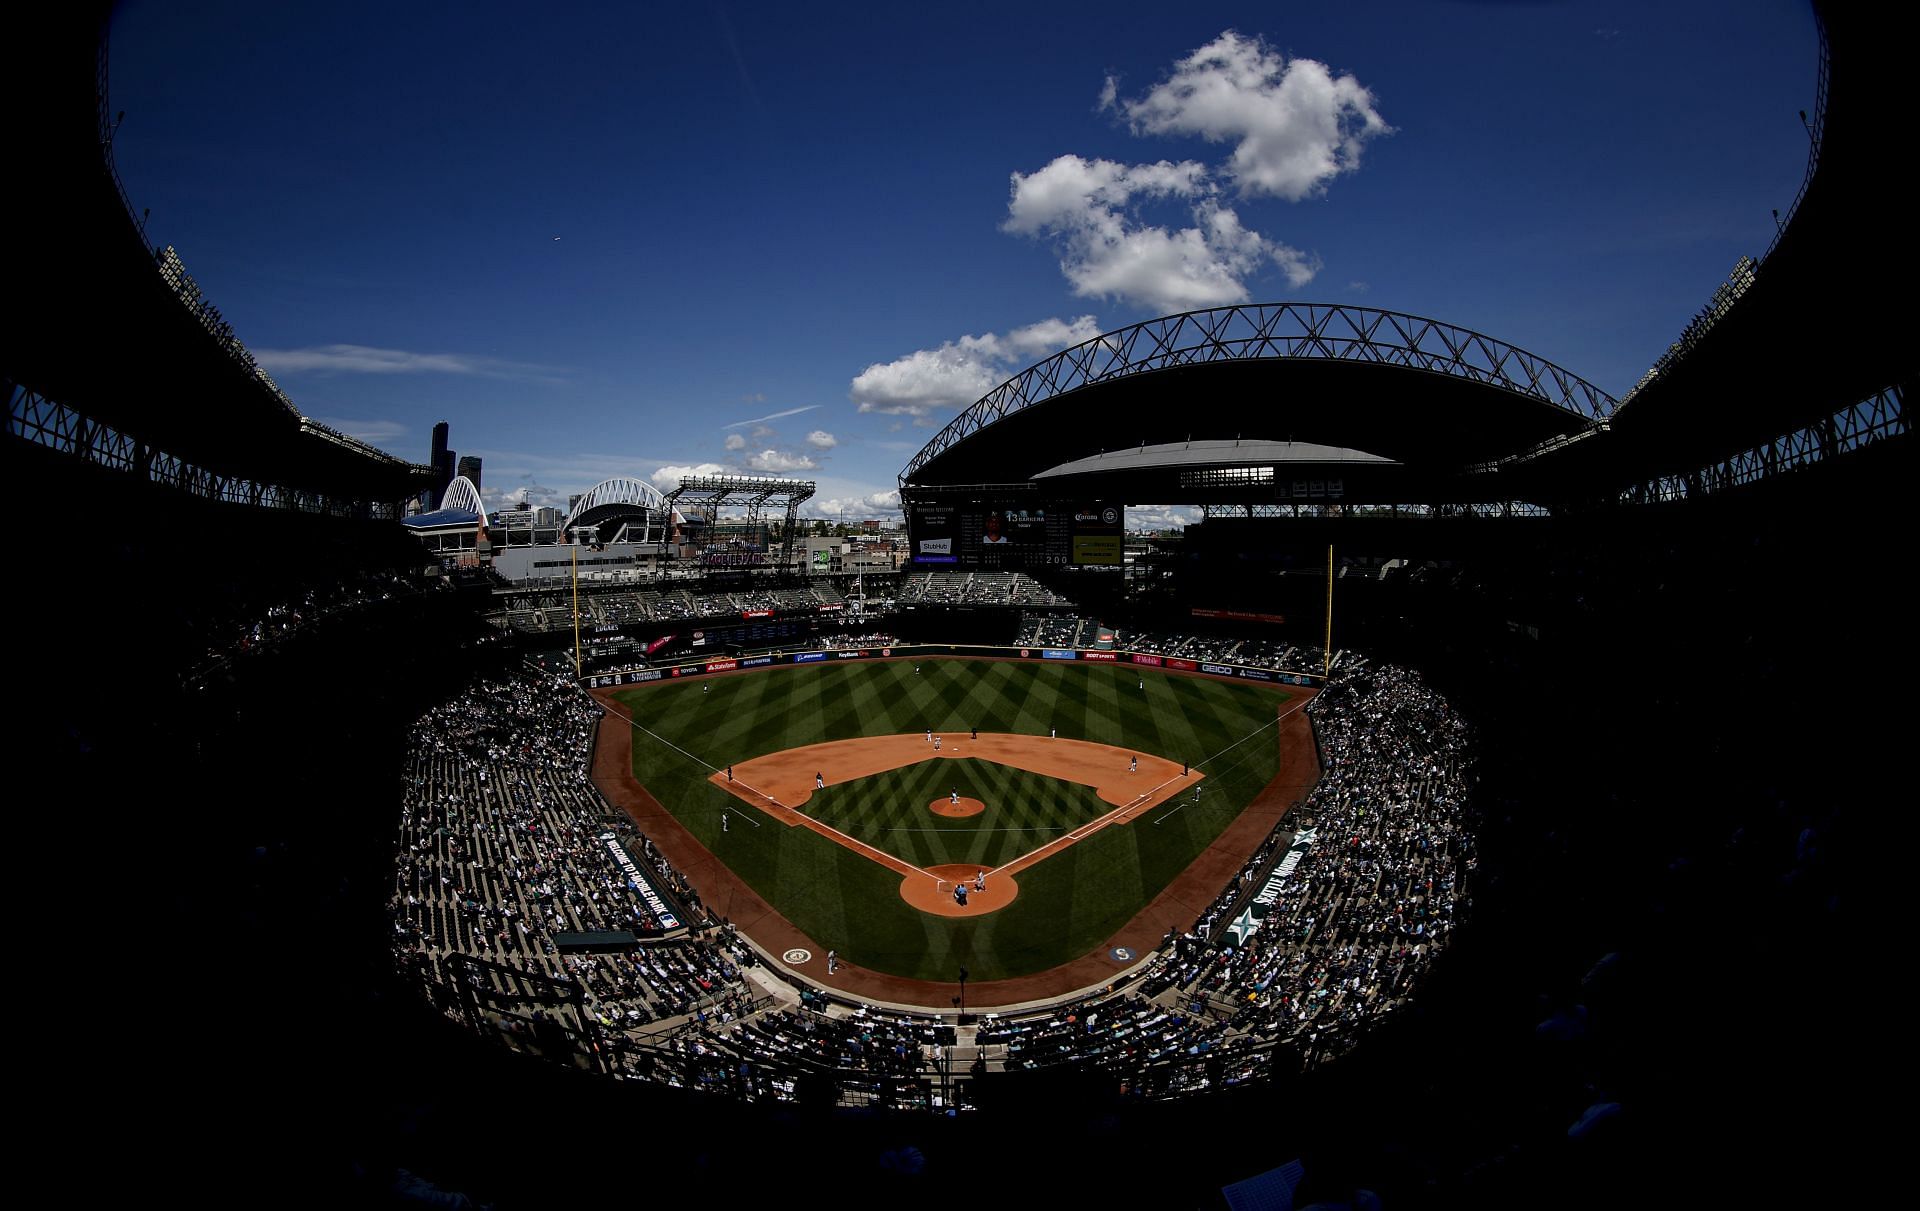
pixel 459 506
pixel 614 496
pixel 1401 387
pixel 462 495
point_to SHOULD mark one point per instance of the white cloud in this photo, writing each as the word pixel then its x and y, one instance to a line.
pixel 1049 336
pixel 777 461
pixel 1294 125
pixel 1108 251
pixel 769 416
pixel 820 439
pixel 364 359
pixel 1071 192
pixel 668 478
pixel 736 441
pixel 961 371
pixel 1160 517
pixel 1300 267
pixel 856 508
pixel 952 376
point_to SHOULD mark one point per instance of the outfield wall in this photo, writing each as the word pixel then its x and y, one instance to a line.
pixel 641 674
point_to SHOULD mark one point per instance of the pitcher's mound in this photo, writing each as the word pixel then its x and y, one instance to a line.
pixel 965 807
pixel 921 891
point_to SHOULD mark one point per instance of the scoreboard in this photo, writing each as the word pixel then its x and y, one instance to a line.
pixel 1011 533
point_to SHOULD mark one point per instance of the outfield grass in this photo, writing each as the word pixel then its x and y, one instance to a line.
pixel 1068 904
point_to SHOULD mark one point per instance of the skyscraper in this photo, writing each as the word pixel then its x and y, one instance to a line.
pixel 470 467
pixel 442 463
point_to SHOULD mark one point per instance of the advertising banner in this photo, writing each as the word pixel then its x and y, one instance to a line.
pixel 1249 921
pixel 1096 535
pixel 657 904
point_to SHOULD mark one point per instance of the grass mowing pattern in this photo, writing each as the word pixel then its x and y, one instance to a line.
pixel 1024 811
pixel 1067 905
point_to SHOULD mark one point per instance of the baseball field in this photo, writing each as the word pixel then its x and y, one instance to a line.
pixel 1065 796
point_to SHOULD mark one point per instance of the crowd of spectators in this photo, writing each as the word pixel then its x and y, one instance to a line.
pixel 1274 654
pixel 1047 631
pixel 848 641
pixel 1374 896
pixel 1124 1030
pixel 866 1040
pixel 976 588
pixel 549 608
pixel 1063 631
pixel 505 844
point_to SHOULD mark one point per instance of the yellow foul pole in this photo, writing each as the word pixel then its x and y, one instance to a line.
pixel 576 608
pixel 1326 657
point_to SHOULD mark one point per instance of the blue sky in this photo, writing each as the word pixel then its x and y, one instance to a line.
pixel 627 239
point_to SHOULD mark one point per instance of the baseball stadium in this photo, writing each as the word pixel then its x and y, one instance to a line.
pixel 1435 821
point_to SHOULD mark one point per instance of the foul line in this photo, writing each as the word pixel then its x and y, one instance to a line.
pixel 1277 721
pixel 1080 834
pixel 662 739
pixel 897 865
pixel 635 723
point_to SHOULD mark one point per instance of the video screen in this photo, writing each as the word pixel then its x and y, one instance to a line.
pixel 988 534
